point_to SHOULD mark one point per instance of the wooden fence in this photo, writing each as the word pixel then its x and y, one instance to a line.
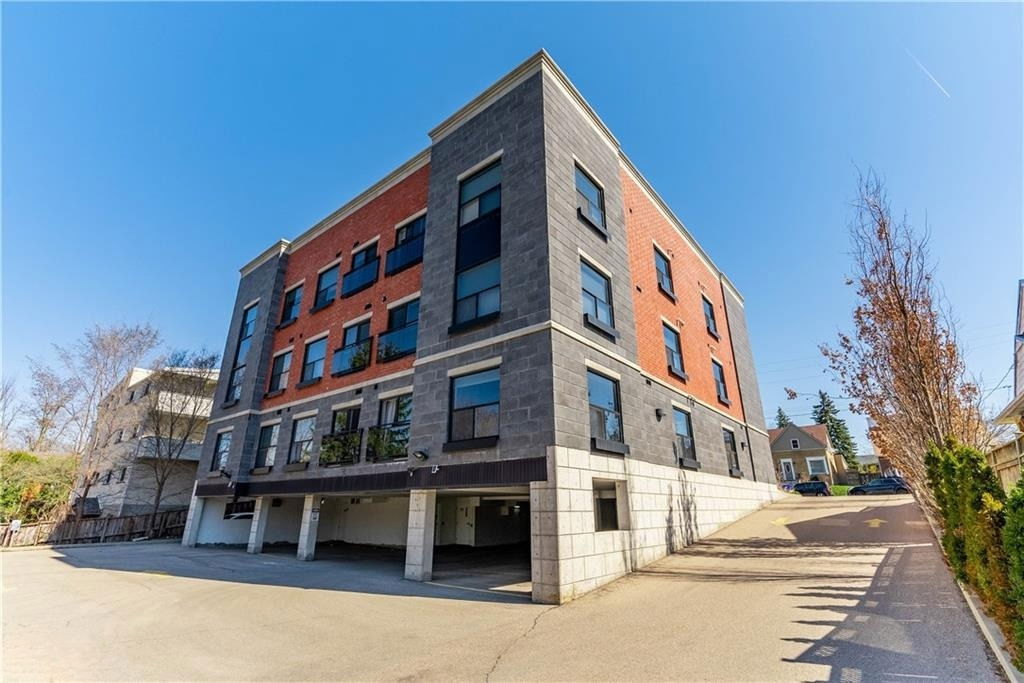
pixel 166 524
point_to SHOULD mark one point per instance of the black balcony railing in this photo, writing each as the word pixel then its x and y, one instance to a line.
pixel 341 448
pixel 359 278
pixel 388 442
pixel 397 343
pixel 605 424
pixel 404 255
pixel 351 358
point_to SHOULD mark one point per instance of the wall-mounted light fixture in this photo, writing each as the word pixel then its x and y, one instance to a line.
pixel 659 413
pixel 420 455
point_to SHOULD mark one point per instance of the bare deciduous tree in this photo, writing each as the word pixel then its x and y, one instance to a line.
pixel 902 363
pixel 49 411
pixel 11 409
pixel 174 417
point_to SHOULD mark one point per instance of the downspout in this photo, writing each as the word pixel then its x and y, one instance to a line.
pixel 739 384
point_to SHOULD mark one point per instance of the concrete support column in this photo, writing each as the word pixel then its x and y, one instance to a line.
pixel 307 532
pixel 419 547
pixel 258 526
pixel 195 514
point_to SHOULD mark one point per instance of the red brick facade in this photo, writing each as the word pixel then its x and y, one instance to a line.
pixel 691 278
pixel 378 217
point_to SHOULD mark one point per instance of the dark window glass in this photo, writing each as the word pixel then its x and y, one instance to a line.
pixel 342 445
pixel 279 371
pixel 477 258
pixel 302 439
pixel 606 506
pixel 684 434
pixel 235 383
pixel 480 194
pixel 478 291
pixel 355 351
pixel 730 449
pixel 221 451
pixel 664 268
pixel 124 473
pixel 475 403
pixel 326 287
pixel 313 363
pixel 397 410
pixel 390 438
pixel 266 449
pixel 364 256
pixel 589 198
pixel 673 351
pixel 292 304
pixel 363 272
pixel 719 374
pixel 345 420
pixel 597 294
pixel 709 316
pixel 411 230
pixel 241 351
pixel 605 411
pixel 400 338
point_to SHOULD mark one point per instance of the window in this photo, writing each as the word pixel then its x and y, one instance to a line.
pixel 605 412
pixel 313 363
pixel 719 375
pixel 266 447
pixel 686 452
pixel 731 455
pixel 363 272
pixel 794 444
pixel 474 411
pixel 107 477
pixel 597 299
pixel 292 305
pixel 709 317
pixel 221 450
pixel 135 431
pixel 664 268
pixel 326 287
pixel 302 439
pixel 279 371
pixel 817 466
pixel 389 440
pixel 354 355
pixel 400 338
pixel 342 445
pixel 124 473
pixel 478 248
pixel 145 389
pixel 408 248
pixel 241 351
pixel 131 396
pixel 118 436
pixel 673 351
pixel 606 505
pixel 590 201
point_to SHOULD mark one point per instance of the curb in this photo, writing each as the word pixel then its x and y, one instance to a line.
pixel 992 634
pixel 27 548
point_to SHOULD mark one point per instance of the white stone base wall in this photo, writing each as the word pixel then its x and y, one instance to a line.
pixel 665 509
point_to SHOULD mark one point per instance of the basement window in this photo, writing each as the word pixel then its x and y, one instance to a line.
pixel 606 504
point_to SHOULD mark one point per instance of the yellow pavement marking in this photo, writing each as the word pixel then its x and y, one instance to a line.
pixel 781 521
pixel 874 523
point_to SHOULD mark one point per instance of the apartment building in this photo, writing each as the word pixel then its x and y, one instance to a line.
pixel 510 339
pixel 114 477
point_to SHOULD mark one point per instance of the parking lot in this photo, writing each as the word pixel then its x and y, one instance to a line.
pixel 837 589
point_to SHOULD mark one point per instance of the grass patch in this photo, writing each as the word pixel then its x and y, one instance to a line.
pixel 841 490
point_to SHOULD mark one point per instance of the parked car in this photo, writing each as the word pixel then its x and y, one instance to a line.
pixel 881 486
pixel 812 488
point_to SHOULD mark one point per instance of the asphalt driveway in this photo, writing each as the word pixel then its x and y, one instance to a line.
pixel 843 589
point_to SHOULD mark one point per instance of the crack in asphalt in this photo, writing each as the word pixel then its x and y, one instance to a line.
pixel 515 640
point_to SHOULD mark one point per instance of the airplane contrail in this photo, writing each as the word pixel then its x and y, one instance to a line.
pixel 927 72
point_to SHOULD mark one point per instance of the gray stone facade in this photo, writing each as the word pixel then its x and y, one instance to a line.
pixel 541 131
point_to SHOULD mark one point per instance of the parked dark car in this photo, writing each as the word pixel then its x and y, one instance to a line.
pixel 882 485
pixel 812 488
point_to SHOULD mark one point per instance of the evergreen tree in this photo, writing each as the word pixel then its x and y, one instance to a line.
pixel 781 419
pixel 827 413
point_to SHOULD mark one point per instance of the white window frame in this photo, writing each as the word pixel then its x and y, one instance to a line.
pixel 794 444
pixel 817 458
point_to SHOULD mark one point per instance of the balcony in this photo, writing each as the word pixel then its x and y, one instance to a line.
pixel 388 442
pixel 358 279
pixel 397 343
pixel 403 256
pixel 351 358
pixel 341 448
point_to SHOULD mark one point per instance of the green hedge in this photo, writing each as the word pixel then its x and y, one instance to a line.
pixel 982 533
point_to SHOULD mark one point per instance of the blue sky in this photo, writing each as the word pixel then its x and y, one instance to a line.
pixel 149 150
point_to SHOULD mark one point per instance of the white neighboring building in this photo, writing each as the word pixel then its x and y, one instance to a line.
pixel 114 478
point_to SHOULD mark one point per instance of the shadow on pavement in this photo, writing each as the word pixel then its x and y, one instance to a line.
pixel 460 573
